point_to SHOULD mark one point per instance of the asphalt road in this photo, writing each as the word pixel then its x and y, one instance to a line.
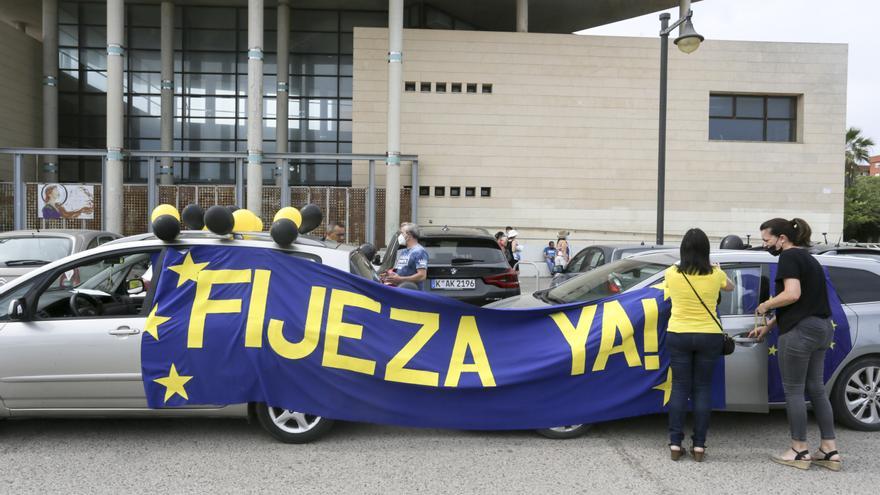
pixel 231 456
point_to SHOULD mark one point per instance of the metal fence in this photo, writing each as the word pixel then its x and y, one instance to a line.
pixel 360 209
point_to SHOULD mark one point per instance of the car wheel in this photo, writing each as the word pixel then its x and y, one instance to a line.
pixel 291 426
pixel 564 432
pixel 856 395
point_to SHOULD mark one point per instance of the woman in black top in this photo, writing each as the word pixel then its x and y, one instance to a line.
pixel 805 333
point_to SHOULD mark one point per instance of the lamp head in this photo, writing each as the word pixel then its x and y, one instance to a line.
pixel 689 40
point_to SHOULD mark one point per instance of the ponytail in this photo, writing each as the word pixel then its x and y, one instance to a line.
pixel 802 232
pixel 797 230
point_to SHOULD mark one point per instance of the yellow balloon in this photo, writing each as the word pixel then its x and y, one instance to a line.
pixel 242 221
pixel 256 223
pixel 164 209
pixel 289 213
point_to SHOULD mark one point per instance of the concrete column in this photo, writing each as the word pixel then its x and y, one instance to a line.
pixel 395 81
pixel 113 206
pixel 166 169
pixel 283 88
pixel 522 16
pixel 255 107
pixel 50 88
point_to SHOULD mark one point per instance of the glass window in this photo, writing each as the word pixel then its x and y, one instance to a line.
pixel 146 105
pixel 314 43
pixel 462 252
pixel 33 250
pixel 145 60
pixel 780 108
pixel 219 62
pixel 209 39
pixel 94 59
pixel 68 12
pixel 351 20
pixel 746 295
pixel 320 65
pixel 604 281
pixel 144 38
pixel 314 20
pixel 752 118
pixel 750 106
pixel 146 82
pixel 736 130
pixel 345 130
pixel 210 84
pixel 93 13
pixel 720 106
pixel 68 35
pixel 210 128
pixel 855 286
pixel 145 127
pixel 68 58
pixel 209 18
pixel 145 15
pixel 115 286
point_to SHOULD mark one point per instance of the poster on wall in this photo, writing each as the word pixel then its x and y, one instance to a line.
pixel 66 201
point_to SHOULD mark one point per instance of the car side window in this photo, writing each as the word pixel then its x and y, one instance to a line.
pixel 855 286
pixel 596 258
pixel 114 285
pixel 575 264
pixel 749 286
pixel 93 243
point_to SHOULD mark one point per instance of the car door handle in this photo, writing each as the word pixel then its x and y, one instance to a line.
pixel 124 331
pixel 744 340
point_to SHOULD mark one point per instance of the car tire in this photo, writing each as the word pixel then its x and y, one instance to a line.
pixel 858 381
pixel 564 432
pixel 290 426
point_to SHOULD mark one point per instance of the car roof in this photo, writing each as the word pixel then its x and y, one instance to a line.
pixel 80 233
pixel 436 231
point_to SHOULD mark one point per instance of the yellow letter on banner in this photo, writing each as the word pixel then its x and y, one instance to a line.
pixel 576 336
pixel 614 318
pixel 468 337
pixel 203 305
pixel 395 370
pixel 652 361
pixel 253 335
pixel 312 331
pixel 336 329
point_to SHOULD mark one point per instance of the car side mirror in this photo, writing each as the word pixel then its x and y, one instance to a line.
pixel 377 260
pixel 135 286
pixel 17 309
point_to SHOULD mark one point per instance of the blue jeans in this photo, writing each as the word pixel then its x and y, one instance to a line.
pixel 693 357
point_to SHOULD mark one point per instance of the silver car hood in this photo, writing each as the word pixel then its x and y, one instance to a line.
pixel 8 274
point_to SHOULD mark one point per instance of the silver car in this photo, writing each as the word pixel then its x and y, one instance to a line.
pixel 24 250
pixel 70 333
pixel 854 388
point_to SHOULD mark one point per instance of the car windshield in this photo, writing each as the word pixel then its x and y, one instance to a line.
pixel 603 281
pixel 33 251
pixel 462 251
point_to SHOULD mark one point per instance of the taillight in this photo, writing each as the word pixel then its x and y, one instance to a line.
pixel 506 280
pixel 612 287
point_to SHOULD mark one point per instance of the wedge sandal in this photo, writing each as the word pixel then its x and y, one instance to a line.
pixel 824 459
pixel 800 460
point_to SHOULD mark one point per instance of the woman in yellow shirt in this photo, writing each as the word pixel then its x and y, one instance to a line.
pixel 693 338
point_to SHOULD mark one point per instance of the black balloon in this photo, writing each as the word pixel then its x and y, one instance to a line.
pixel 219 220
pixel 232 208
pixel 283 231
pixel 311 218
pixel 166 227
pixel 732 242
pixel 193 217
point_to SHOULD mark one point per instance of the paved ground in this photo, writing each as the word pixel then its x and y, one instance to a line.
pixel 185 456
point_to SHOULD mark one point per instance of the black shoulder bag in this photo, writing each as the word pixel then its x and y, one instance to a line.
pixel 728 345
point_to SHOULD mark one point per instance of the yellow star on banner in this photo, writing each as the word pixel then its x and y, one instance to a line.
pixel 833 344
pixel 174 383
pixel 772 350
pixel 833 325
pixel 153 322
pixel 666 386
pixel 188 270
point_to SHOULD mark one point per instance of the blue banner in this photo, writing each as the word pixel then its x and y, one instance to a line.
pixel 234 325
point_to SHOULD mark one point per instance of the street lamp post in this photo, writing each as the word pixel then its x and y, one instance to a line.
pixel 688 41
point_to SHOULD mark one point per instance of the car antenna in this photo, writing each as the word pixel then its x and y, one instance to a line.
pixel 825 235
pixel 838 241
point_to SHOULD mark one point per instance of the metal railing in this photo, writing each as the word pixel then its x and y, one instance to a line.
pixel 239 158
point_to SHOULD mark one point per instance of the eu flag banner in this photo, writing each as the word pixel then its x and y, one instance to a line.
pixel 234 325
pixel 840 345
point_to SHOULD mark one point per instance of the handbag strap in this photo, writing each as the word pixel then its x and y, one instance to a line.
pixel 701 302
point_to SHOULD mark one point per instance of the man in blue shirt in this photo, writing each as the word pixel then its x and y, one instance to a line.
pixel 412 260
pixel 550 256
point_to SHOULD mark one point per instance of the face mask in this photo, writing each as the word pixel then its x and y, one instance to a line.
pixel 401 239
pixel 775 251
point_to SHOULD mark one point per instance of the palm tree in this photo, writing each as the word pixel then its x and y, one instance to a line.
pixel 857 151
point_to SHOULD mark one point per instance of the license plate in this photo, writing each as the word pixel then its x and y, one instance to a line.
pixel 454 283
